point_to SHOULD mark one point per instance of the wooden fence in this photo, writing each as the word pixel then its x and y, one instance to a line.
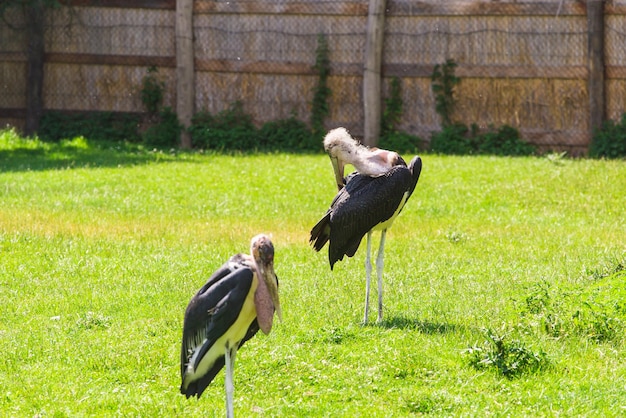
pixel 525 63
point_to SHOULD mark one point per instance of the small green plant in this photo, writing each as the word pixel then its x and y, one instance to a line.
pixel 288 135
pixel 391 137
pixel 152 91
pixel 458 139
pixel 610 140
pixel 96 126
pixel 455 139
pixel 93 320
pixel 444 82
pixel 597 322
pixel 165 133
pixel 595 310
pixel 393 108
pixel 230 129
pixel 509 358
pixel 319 107
pixel 505 140
pixel 401 142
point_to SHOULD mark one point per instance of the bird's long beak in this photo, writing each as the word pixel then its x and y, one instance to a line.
pixel 269 277
pixel 339 168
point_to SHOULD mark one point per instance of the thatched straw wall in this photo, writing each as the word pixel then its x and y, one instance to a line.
pixel 522 62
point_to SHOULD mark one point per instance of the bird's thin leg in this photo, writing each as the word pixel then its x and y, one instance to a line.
pixel 368 275
pixel 379 272
pixel 230 387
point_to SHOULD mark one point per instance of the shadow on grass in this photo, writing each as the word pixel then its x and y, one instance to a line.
pixel 425 327
pixel 63 156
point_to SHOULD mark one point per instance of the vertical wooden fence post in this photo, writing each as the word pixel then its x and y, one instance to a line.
pixel 595 45
pixel 184 67
pixel 372 74
pixel 35 66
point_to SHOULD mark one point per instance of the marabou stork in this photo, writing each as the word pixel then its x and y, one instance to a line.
pixel 237 300
pixel 369 199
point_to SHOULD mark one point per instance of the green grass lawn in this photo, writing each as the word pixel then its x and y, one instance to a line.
pixel 505 286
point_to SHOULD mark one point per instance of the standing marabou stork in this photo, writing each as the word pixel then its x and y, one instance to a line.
pixel 369 199
pixel 237 300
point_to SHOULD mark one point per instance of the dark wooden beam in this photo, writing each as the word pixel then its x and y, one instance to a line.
pixel 96 59
pixel 372 78
pixel 134 4
pixel 595 36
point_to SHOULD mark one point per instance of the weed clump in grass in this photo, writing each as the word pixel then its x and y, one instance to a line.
pixel 595 310
pixel 93 320
pixel 509 358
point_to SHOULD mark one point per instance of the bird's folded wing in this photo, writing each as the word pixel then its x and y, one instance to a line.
pixel 214 309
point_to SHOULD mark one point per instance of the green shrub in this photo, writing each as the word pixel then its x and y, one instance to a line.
pixel 166 133
pixel 230 129
pixel 152 91
pixel 392 114
pixel 96 126
pixel 443 82
pixel 391 137
pixel 453 139
pixel 320 108
pixel 460 140
pixel 400 142
pixel 288 135
pixel 505 140
pixel 610 140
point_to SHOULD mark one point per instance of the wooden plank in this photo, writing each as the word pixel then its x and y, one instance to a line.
pixel 399 8
pixel 338 69
pixel 13 113
pixel 484 8
pixel 95 59
pixel 595 83
pixel 489 71
pixel 184 67
pixel 134 4
pixel 347 8
pixel 615 72
pixel 273 68
pixel 13 57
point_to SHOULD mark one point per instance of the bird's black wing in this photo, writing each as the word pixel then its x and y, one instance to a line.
pixel 361 205
pixel 210 313
pixel 320 233
pixel 415 167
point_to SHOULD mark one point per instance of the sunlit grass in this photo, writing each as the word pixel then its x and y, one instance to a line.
pixel 101 247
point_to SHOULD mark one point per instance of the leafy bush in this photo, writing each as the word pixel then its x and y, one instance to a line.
pixel 152 91
pixel 230 129
pixel 320 108
pixel 443 82
pixel 505 140
pixel 453 139
pixel 460 140
pixel 166 133
pixel 96 126
pixel 391 137
pixel 288 135
pixel 393 108
pixel 400 142
pixel 610 140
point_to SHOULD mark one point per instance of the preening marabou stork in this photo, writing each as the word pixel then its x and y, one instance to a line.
pixel 237 300
pixel 369 199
